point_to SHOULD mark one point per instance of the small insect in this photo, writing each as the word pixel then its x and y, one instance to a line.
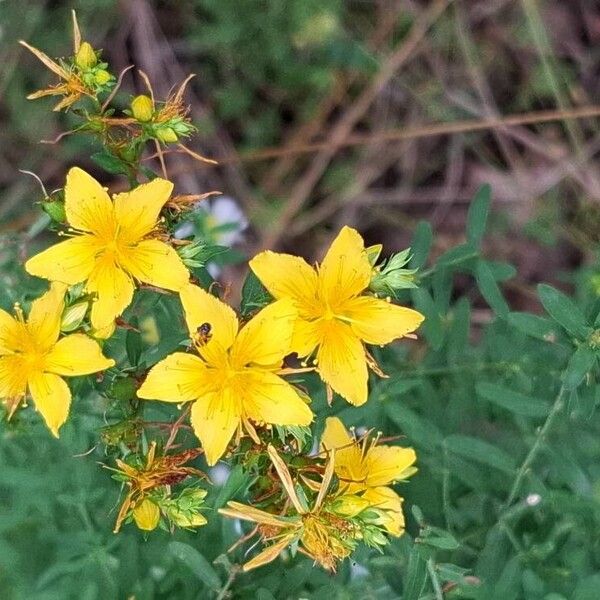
pixel 203 334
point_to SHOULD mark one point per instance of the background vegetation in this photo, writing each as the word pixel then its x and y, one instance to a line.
pixel 380 114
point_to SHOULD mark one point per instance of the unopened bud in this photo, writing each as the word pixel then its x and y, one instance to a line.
pixel 146 515
pixel 73 316
pixel 142 108
pixel 86 57
pixel 102 77
pixel 166 135
pixel 349 506
pixel 182 519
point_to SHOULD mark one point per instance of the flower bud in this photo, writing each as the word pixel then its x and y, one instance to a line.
pixel 182 519
pixel 166 135
pixel 349 506
pixel 102 77
pixel 146 515
pixel 73 316
pixel 86 57
pixel 142 108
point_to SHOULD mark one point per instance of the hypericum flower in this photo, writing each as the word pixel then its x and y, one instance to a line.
pixel 141 479
pixel 112 245
pixel 34 359
pixel 321 535
pixel 335 314
pixel 235 379
pixel 366 468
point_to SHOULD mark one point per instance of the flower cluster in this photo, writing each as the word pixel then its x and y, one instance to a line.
pixel 241 380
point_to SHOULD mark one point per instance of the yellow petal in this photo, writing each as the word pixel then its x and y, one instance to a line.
pixel 268 398
pixel 114 289
pixel 77 354
pixel 156 263
pixel 270 553
pixel 306 337
pixel 11 333
pixel 336 437
pixel 52 399
pixel 287 276
pixel 178 378
pixel 215 417
pixel 379 322
pixel 45 316
pixel 88 205
pixel 137 211
pixel 266 339
pixel 345 270
pixel 70 261
pixel 201 307
pixel 341 362
pixel 385 500
pixel 386 464
pixel 13 376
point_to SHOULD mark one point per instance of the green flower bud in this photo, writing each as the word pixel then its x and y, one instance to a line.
pixel 86 56
pixel 142 108
pixel 183 519
pixel 102 77
pixel 349 506
pixel 166 135
pixel 73 316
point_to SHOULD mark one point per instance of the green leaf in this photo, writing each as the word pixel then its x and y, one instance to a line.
pixel 110 163
pixel 534 325
pixel 254 294
pixel 237 480
pixel 196 562
pixel 480 451
pixel 512 401
pixel 438 538
pixel 564 311
pixel 432 326
pixel 420 431
pixel 478 214
pixel 489 289
pixel 416 576
pixel 581 362
pixel 421 245
pixel 133 344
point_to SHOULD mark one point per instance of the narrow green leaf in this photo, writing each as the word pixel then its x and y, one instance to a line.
pixel 478 214
pixel 480 451
pixel 237 480
pixel 564 311
pixel 459 255
pixel 535 326
pixel 432 326
pixel 581 362
pixel 254 294
pixel 133 345
pixel 512 401
pixel 421 245
pixel 416 576
pixel 196 562
pixel 489 289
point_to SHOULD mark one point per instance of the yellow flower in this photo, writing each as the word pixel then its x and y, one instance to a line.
pixel 368 469
pixel 336 317
pixel 112 245
pixel 323 536
pixel 236 377
pixel 32 357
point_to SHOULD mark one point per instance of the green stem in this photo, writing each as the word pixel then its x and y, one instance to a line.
pixel 452 263
pixel 435 582
pixel 537 445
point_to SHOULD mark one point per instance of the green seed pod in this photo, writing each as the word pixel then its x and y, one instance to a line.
pixel 86 56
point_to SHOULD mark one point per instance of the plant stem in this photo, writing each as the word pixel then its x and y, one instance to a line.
pixel 435 582
pixel 451 263
pixel 537 445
